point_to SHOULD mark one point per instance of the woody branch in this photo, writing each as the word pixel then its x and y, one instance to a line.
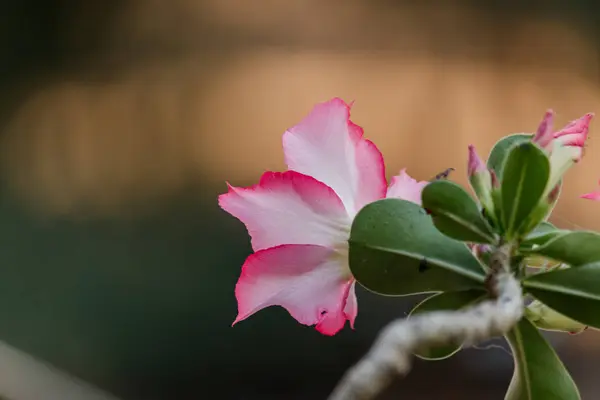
pixel 392 352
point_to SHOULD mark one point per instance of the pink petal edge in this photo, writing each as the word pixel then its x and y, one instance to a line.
pixel 404 187
pixel 543 136
pixel 595 195
pixel 328 146
pixel 591 196
pixel 288 208
pixel 351 308
pixel 575 132
pixel 311 282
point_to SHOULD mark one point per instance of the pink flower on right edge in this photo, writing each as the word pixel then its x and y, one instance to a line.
pixel 569 143
pixel 565 147
pixel 595 195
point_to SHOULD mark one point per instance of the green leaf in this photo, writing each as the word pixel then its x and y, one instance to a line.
pixel 441 302
pixel 539 374
pixel 526 173
pixel 574 292
pixel 455 213
pixel 543 227
pixel 573 248
pixel 501 149
pixel 497 217
pixel 396 250
pixel 539 213
pixel 541 234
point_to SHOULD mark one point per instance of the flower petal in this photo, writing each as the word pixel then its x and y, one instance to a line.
pixel 351 309
pixel 288 208
pixel 543 136
pixel 405 187
pixel 595 195
pixel 575 133
pixel 311 282
pixel 592 196
pixel 329 147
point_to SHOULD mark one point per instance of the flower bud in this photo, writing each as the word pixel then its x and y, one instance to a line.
pixel 481 180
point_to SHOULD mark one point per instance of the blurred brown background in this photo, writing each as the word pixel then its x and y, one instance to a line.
pixel 121 120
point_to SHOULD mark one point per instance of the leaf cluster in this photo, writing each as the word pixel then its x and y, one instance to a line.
pixel 399 248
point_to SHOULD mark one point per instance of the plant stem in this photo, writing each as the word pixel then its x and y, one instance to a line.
pixel 392 352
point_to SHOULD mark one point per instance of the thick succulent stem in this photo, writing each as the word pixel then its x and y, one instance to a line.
pixel 392 352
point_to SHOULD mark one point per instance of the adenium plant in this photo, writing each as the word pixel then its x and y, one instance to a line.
pixel 491 262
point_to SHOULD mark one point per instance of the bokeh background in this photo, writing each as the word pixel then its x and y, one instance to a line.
pixel 120 122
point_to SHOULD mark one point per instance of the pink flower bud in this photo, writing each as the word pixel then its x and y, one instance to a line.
pixel 475 165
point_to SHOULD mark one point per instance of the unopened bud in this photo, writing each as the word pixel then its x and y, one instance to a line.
pixel 481 180
pixel 475 165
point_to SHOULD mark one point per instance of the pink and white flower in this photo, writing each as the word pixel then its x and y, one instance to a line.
pixel 299 220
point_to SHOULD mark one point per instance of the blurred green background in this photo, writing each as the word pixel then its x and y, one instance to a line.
pixel 122 120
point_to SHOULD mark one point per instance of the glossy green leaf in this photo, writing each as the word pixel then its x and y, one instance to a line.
pixel 541 234
pixel 396 250
pixel 497 217
pixel 543 227
pixel 539 213
pixel 501 149
pixel 574 248
pixel 455 213
pixel 526 173
pixel 546 206
pixel 539 373
pixel 574 292
pixel 442 302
